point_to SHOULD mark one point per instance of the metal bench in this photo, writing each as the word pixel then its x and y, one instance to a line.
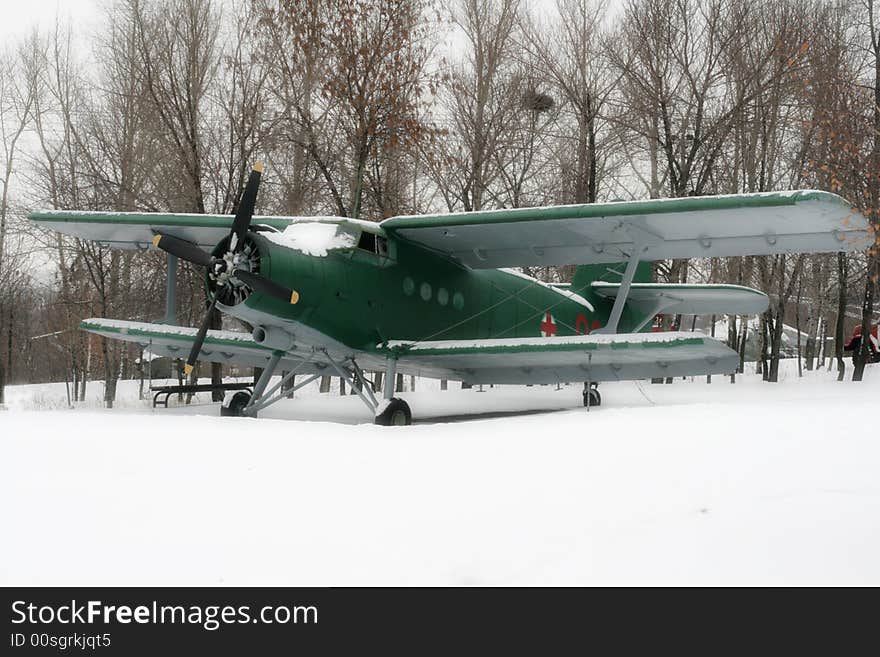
pixel 167 391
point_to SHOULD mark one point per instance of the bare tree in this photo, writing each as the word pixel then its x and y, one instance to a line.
pixel 17 92
pixel 570 55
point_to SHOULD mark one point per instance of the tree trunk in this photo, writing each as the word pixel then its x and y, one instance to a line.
pixel 141 376
pixel 109 374
pixel 810 347
pixel 763 357
pixel 842 275
pixel 289 385
pixel 712 333
pixel 863 355
pixel 776 331
pixel 797 327
pixel 87 371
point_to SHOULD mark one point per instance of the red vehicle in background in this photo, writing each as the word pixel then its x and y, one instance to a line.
pixel 855 343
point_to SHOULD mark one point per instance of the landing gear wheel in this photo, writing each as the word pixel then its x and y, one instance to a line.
pixel 395 414
pixel 594 399
pixel 236 405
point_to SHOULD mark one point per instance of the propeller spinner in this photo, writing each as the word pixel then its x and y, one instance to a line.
pixel 228 269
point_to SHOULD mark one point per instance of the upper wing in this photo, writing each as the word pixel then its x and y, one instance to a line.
pixel 135 230
pixel 573 358
pixel 680 299
pixel 219 347
pixel 132 230
pixel 699 226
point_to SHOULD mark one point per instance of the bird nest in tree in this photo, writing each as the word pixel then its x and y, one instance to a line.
pixel 537 102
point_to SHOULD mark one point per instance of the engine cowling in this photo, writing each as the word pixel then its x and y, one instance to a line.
pixel 273 337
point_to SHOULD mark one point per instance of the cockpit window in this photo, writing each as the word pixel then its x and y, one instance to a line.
pixel 373 244
pixel 367 242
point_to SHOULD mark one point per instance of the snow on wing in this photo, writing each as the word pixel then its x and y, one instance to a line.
pixel 704 226
pixel 135 230
pixel 625 356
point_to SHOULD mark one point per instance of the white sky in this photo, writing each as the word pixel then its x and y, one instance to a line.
pixel 17 17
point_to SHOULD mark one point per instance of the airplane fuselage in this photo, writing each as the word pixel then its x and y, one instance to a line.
pixel 362 299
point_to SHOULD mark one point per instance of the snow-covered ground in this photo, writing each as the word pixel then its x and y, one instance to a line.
pixel 689 483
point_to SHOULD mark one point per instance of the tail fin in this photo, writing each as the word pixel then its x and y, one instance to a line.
pixel 610 273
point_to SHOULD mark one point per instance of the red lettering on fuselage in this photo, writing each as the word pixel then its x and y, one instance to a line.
pixel 582 325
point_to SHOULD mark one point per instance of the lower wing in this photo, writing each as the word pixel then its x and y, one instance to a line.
pixel 619 357
pixel 226 347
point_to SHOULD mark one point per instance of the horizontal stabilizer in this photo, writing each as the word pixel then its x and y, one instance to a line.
pixel 682 299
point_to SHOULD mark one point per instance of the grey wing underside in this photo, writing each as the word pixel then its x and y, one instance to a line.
pixel 529 360
pixel 695 227
pixel 225 347
pixel 618 357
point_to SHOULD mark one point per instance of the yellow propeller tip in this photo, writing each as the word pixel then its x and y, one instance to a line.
pixel 294 297
pixel 258 167
pixel 187 369
pixel 156 240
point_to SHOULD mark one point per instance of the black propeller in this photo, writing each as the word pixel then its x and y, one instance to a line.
pixel 266 286
pixel 182 249
pixel 200 338
pixel 245 209
pixel 192 253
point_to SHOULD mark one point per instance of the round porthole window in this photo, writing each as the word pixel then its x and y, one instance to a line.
pixel 425 291
pixel 409 286
pixel 442 296
pixel 458 300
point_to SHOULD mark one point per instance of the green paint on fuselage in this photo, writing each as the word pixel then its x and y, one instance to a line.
pixel 363 299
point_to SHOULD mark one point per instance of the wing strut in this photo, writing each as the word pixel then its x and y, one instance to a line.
pixel 170 290
pixel 356 381
pixel 642 240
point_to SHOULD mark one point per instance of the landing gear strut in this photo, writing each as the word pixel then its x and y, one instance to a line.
pixel 244 404
pixel 392 411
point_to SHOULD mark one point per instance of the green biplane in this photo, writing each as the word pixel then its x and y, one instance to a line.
pixel 431 296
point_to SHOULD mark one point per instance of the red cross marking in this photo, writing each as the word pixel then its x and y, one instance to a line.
pixel 548 326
